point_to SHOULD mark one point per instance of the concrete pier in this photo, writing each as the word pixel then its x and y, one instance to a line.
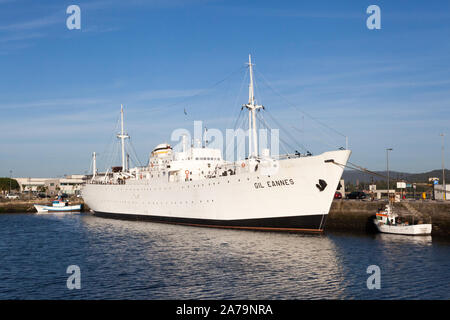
pixel 26 206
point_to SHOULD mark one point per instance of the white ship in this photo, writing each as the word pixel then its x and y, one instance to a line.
pixel 197 187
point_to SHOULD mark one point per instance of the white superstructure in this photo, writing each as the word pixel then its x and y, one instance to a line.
pixel 198 187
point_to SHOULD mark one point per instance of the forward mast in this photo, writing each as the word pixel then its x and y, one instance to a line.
pixel 122 136
pixel 252 107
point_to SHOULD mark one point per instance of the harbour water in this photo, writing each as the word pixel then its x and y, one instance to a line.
pixel 142 260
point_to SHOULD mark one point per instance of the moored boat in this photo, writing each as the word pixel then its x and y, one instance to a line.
pixel 387 221
pixel 58 205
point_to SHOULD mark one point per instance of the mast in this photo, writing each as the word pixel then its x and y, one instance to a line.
pixel 122 137
pixel 94 165
pixel 184 143
pixel 387 169
pixel 252 107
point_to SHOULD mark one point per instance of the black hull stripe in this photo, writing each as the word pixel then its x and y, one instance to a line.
pixel 309 223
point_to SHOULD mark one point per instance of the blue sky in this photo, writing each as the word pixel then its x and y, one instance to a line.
pixel 61 90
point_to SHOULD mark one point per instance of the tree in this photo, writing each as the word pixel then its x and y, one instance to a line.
pixel 6 182
pixel 42 189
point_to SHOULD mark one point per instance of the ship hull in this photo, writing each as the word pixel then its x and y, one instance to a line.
pixel 289 200
pixel 308 223
pixel 410 230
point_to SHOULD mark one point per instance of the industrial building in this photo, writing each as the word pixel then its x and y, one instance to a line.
pixel 70 185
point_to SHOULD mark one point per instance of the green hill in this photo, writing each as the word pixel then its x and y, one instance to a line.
pixel 353 176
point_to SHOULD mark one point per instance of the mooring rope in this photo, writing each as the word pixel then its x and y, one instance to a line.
pixel 358 168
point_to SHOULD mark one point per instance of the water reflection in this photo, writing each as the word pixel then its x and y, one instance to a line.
pixel 142 260
pixel 172 261
pixel 411 267
pixel 404 239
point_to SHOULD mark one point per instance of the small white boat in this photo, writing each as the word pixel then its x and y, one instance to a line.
pixel 387 221
pixel 58 205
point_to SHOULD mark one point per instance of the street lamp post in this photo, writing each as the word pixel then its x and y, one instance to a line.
pixel 387 169
pixel 444 187
pixel 10 180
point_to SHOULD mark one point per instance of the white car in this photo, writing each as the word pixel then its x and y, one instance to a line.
pixel 12 196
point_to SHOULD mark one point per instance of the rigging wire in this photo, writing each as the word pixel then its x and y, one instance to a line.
pixel 356 167
pixel 110 152
pixel 245 128
pixel 286 131
pixel 238 96
pixel 283 143
pixel 317 137
pixel 133 153
pixel 260 117
pixel 297 109
pixel 231 142
pixel 91 166
pixel 243 123
pixel 112 156
pixel 202 90
pixel 294 140
pixel 227 147
pixel 110 147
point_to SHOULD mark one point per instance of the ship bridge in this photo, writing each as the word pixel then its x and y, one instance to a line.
pixel 194 164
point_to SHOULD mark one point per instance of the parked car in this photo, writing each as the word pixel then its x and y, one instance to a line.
pixel 12 196
pixel 43 195
pixel 337 195
pixel 357 195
